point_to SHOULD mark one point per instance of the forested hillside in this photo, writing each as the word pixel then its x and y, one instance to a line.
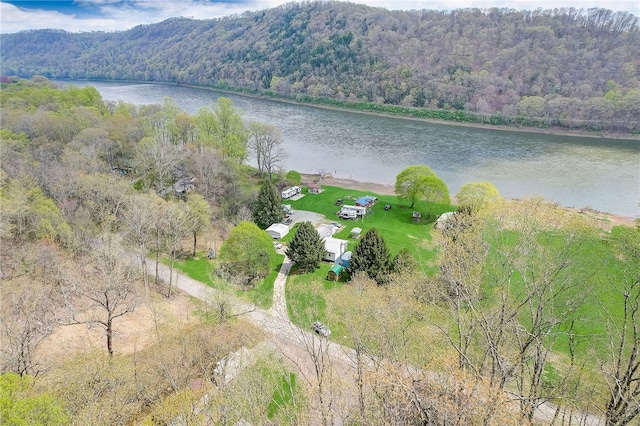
pixel 562 67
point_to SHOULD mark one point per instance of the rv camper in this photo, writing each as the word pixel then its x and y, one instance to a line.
pixel 291 192
pixel 351 210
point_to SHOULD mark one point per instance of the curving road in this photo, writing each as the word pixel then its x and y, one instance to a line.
pixel 302 348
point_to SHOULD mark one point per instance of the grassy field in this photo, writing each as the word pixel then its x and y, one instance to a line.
pixel 201 268
pixel 395 225
pixel 307 294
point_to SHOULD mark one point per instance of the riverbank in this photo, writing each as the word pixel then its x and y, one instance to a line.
pixel 603 220
pixel 556 131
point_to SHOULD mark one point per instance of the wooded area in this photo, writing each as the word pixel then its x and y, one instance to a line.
pixel 521 307
pixel 566 67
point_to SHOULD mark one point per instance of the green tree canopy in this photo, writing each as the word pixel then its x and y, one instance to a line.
pixel 20 405
pixel 420 183
pixel 267 209
pixel 474 195
pixel 435 191
pixel 246 257
pixel 30 215
pixel 408 182
pixel 293 178
pixel 223 128
pixel 371 255
pixel 306 247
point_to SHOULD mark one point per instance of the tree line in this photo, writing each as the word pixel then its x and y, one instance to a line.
pixel 528 301
pixel 566 67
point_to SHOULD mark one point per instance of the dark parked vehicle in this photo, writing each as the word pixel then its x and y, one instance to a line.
pixel 387 207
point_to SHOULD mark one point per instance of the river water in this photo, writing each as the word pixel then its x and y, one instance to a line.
pixel 603 174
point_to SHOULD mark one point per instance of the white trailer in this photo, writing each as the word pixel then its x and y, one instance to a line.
pixel 358 210
pixel 291 192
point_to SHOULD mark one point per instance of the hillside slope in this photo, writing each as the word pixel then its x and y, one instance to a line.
pixel 566 67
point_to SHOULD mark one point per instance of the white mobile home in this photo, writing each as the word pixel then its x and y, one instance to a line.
pixel 358 210
pixel 291 192
pixel 335 248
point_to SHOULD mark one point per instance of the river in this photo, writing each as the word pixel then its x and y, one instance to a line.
pixel 603 174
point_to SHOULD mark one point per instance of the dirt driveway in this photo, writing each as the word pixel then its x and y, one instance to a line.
pixel 303 216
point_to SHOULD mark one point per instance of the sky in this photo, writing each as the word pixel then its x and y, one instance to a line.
pixel 120 15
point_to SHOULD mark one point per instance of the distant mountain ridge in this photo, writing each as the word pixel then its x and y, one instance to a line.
pixel 562 67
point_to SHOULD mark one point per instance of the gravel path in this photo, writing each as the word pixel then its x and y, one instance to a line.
pixel 279 306
pixel 301 347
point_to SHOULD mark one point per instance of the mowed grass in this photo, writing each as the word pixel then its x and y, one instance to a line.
pixel 396 225
pixel 306 293
pixel 200 268
pixel 590 277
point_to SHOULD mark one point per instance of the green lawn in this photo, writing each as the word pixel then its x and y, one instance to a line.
pixel 396 225
pixel 305 292
pixel 201 268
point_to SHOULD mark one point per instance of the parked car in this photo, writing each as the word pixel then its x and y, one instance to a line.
pixel 277 245
pixel 387 207
pixel 339 202
pixel 321 329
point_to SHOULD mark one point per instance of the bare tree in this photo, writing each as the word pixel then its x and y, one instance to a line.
pixel 511 280
pixel 107 282
pixel 140 219
pixel 622 369
pixel 535 287
pixel 176 223
pixel 26 320
pixel 623 379
pixel 462 256
pixel 266 144
pixel 31 277
pixel 205 164
pixel 156 161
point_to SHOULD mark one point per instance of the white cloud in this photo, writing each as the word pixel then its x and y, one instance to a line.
pixel 14 19
pixel 119 16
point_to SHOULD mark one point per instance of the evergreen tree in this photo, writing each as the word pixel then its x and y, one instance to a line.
pixel 267 209
pixel 306 247
pixel 371 255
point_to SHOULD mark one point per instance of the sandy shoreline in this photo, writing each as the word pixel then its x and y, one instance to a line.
pixel 603 219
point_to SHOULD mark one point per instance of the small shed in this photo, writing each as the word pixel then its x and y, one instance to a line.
pixel 314 188
pixel 278 230
pixel 335 272
pixel 355 233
